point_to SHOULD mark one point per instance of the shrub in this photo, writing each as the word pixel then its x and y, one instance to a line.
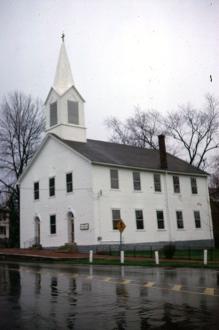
pixel 169 250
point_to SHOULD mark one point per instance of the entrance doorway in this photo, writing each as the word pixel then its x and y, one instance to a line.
pixel 37 231
pixel 71 227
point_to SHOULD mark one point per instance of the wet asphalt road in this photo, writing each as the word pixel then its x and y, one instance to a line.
pixel 39 296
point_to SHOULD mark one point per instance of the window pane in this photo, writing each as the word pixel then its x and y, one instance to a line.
pixel 176 185
pixel 69 182
pixel 160 220
pixel 52 187
pixel 179 218
pixel 116 218
pixel 136 181
pixel 52 224
pixel 53 114
pixel 73 114
pixel 157 182
pixel 197 219
pixel 114 177
pixel 194 186
pixel 36 190
pixel 2 230
pixel 139 219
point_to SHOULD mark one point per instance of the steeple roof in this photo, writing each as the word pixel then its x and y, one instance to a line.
pixel 63 77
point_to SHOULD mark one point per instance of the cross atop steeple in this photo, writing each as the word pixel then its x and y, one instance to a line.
pixel 63 37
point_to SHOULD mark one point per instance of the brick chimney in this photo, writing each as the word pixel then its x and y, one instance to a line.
pixel 163 154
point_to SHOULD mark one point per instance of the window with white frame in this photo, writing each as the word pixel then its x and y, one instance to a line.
pixel 53 224
pixel 157 183
pixel 73 112
pixel 194 187
pixel 114 178
pixel 136 180
pixel 69 182
pixel 53 114
pixel 139 219
pixel 52 186
pixel 2 230
pixel 179 220
pixel 197 219
pixel 176 184
pixel 116 217
pixel 160 220
pixel 36 187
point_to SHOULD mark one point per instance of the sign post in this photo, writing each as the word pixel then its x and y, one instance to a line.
pixel 120 226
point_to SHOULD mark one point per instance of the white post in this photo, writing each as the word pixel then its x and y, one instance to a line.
pixel 122 257
pixel 205 257
pixel 91 257
pixel 157 257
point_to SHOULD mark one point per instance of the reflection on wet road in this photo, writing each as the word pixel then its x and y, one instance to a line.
pixel 34 296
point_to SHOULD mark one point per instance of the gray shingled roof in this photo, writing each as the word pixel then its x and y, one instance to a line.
pixel 124 155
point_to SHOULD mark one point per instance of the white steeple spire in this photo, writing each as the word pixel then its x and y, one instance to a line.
pixel 63 77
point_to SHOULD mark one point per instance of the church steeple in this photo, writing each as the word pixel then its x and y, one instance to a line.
pixel 64 104
pixel 63 77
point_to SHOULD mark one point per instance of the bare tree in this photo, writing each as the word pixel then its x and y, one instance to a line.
pixel 195 131
pixel 21 127
pixel 140 130
pixel 214 179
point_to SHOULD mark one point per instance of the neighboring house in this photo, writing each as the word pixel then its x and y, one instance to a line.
pixel 76 190
pixel 214 198
pixel 4 223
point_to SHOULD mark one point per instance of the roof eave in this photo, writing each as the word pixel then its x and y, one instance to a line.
pixel 145 169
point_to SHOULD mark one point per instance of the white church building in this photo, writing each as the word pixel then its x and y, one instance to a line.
pixel 75 190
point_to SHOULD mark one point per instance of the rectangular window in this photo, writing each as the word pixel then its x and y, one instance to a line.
pixel 116 218
pixel 36 190
pixel 114 177
pixel 139 219
pixel 179 220
pixel 69 182
pixel 53 114
pixel 194 186
pixel 73 114
pixel 176 185
pixel 160 220
pixel 197 219
pixel 52 224
pixel 52 186
pixel 157 182
pixel 136 180
pixel 2 230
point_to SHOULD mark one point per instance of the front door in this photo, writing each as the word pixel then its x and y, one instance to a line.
pixel 71 227
pixel 37 231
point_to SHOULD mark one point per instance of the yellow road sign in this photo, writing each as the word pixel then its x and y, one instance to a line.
pixel 120 225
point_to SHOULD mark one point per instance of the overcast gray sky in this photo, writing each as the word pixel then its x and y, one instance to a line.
pixel 152 53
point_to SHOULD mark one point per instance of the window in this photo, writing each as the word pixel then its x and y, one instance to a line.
pixel 194 186
pixel 179 220
pixel 69 182
pixel 52 224
pixel 116 218
pixel 176 185
pixel 53 114
pixel 157 182
pixel 197 219
pixel 136 180
pixel 139 219
pixel 114 177
pixel 52 186
pixel 160 220
pixel 73 115
pixel 36 190
pixel 2 230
